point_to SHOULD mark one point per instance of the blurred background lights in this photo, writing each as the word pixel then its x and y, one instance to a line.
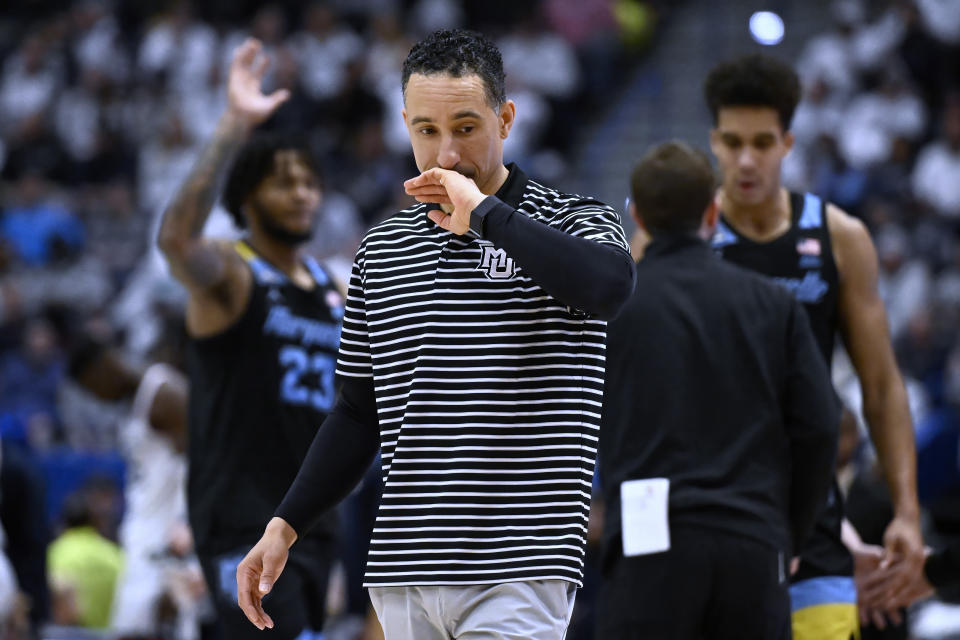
pixel 766 27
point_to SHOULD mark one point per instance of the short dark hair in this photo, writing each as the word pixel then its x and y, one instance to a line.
pixel 87 352
pixel 459 52
pixel 753 81
pixel 254 162
pixel 672 186
pixel 75 510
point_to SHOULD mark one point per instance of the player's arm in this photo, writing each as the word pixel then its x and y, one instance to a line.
pixel 215 276
pixel 168 413
pixel 863 325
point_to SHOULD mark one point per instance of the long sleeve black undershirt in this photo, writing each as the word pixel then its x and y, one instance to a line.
pixel 341 452
pixel 580 272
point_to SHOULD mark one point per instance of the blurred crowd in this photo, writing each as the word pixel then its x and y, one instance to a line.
pixel 103 107
pixel 878 133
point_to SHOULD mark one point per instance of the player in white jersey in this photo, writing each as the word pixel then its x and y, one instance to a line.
pixel 153 533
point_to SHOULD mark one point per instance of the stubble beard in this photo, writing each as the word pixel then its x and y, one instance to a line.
pixel 279 233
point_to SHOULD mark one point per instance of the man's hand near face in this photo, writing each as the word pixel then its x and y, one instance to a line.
pixel 446 187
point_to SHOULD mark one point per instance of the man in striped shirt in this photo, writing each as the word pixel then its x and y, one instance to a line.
pixel 472 355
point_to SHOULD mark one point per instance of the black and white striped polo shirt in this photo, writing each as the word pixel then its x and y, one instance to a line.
pixel 488 396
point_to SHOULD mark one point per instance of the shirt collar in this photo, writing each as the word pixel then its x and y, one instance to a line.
pixel 664 243
pixel 511 191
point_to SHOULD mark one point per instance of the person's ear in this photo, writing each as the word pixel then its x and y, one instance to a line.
pixel 710 218
pixel 788 141
pixel 632 208
pixel 508 115
pixel 715 142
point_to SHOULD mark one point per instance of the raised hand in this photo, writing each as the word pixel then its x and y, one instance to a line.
pixel 246 101
pixel 445 187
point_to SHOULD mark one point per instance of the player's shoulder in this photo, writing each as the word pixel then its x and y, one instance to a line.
pixel 238 252
pixel 843 225
pixel 852 244
pixel 228 248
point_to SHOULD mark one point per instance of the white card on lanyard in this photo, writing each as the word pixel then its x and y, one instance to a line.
pixel 645 527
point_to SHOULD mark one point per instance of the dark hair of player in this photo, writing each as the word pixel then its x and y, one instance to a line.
pixel 753 81
pixel 254 162
pixel 459 52
pixel 85 354
pixel 671 187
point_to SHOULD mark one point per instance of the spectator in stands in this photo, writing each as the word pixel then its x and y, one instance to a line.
pixel 874 119
pixel 37 228
pixel 30 376
pixel 28 84
pixel 904 281
pixel 817 117
pixel 542 62
pixel 83 567
pixel 324 37
pixel 97 44
pixel 936 177
pixel 829 55
pixel 116 229
pixel 179 47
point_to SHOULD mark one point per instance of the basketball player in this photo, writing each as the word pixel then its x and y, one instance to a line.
pixel 153 528
pixel 827 259
pixel 264 326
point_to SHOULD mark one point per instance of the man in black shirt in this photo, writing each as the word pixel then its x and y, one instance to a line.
pixel 264 325
pixel 718 432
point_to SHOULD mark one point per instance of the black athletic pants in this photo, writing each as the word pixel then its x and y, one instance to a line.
pixel 296 603
pixel 708 586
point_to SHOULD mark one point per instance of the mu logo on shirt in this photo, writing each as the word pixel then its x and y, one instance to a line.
pixel 496 264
